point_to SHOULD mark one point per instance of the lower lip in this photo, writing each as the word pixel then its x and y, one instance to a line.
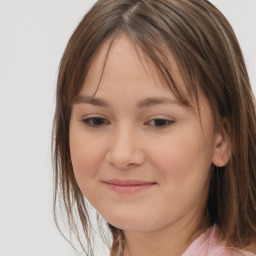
pixel 129 189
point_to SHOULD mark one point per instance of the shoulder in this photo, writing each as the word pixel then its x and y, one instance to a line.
pixel 208 244
pixel 238 252
pixel 224 250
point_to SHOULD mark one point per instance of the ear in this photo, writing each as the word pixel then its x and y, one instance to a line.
pixel 222 146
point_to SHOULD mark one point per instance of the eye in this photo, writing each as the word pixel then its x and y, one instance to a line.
pixel 160 123
pixel 95 121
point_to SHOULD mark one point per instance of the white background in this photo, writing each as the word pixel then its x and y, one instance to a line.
pixel 33 35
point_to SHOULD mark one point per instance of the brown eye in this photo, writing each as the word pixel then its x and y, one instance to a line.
pixel 95 121
pixel 161 123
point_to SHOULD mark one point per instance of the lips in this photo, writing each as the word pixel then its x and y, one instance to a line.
pixel 128 186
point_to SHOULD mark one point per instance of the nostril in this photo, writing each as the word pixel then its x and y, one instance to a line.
pixel 124 159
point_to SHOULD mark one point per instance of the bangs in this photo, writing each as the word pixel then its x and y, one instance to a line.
pixel 169 65
pixel 165 61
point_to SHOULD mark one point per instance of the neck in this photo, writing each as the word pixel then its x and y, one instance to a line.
pixel 169 241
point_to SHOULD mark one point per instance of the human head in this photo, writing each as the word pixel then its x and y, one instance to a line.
pixel 208 56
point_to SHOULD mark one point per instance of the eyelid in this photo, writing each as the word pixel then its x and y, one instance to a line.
pixel 87 120
pixel 163 122
pixel 169 122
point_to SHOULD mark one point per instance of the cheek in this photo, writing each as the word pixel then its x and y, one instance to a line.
pixel 184 166
pixel 183 160
pixel 86 155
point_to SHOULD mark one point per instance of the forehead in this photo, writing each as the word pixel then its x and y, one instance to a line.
pixel 122 62
pixel 122 75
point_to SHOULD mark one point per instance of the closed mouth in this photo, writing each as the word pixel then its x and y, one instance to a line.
pixel 128 186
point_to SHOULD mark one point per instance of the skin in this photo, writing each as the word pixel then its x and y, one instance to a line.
pixel 126 142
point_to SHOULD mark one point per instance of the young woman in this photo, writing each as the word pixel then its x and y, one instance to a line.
pixel 155 126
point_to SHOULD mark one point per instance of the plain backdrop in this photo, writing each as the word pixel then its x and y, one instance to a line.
pixel 33 36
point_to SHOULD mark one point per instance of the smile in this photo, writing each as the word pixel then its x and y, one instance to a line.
pixel 128 186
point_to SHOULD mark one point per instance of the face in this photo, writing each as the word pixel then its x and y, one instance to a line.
pixel 140 157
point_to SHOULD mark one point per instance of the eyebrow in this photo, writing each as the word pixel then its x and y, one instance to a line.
pixel 152 101
pixel 91 100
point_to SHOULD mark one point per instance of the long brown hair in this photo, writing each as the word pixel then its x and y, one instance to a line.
pixel 210 60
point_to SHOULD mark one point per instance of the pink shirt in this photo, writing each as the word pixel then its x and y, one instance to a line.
pixel 207 244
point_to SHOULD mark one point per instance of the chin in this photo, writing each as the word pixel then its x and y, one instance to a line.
pixel 132 223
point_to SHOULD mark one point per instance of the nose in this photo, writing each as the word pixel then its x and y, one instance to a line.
pixel 125 150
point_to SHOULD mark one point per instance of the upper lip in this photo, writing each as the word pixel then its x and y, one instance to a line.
pixel 128 182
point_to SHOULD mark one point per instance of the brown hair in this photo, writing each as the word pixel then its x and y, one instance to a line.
pixel 210 59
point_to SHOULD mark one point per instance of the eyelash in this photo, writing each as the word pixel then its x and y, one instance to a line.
pixel 91 122
pixel 88 121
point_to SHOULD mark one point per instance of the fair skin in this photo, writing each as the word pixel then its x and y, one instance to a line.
pixel 140 157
